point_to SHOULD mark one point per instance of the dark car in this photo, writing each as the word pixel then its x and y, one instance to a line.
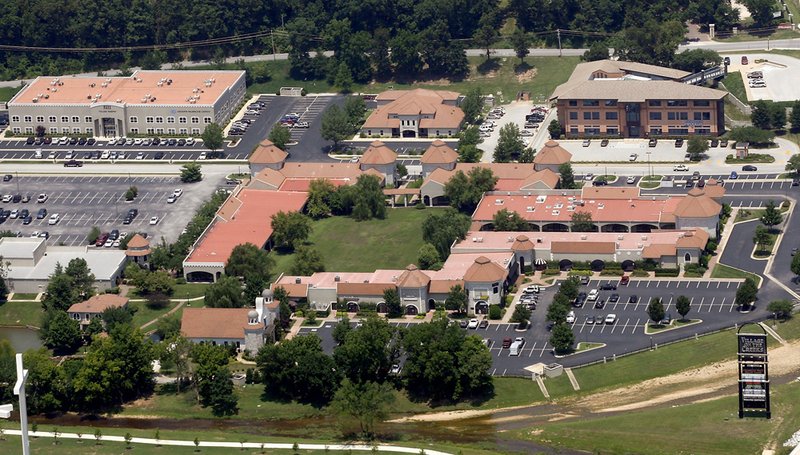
pixel 24 213
pixel 90 141
pixel 483 324
pixel 600 182
pixel 82 141
pixel 16 198
pixel 159 155
pixel 41 214
pixel 172 142
pixel 608 286
pixel 30 140
pixel 87 155
pixel 715 142
pixel 127 220
pixel 133 213
pixel 73 163
pixel 44 235
pixel 604 143
pixel 181 142
pixel 796 182
pixel 73 140
pixel 678 143
pixel 749 168
pixel 666 320
pixel 633 299
pixel 48 140
pixel 506 342
pixel 600 304
pixel 156 141
pixel 27 220
pixel 652 142
pixel 614 298
pixel 114 234
pixel 7 177
pixel 580 300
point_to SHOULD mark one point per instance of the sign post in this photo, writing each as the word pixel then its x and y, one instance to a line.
pixel 753 373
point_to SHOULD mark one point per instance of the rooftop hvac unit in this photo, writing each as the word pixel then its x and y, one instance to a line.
pixel 47 97
pixel 620 237
pixel 152 99
pixel 337 278
pixel 498 202
pixel 510 239
pixel 53 91
pixel 160 83
pixel 584 237
pixel 475 239
pixel 119 100
pixel 530 208
pixel 297 280
pixel 92 85
pixel 108 80
pixel 601 205
pixel 644 237
pixel 35 100
pixel 480 239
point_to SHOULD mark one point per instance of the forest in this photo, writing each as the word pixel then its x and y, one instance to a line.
pixel 421 33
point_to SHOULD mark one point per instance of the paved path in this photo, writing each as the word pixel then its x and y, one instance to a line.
pixel 237 445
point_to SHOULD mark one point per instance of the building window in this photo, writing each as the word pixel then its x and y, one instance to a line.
pixel 702 115
pixel 680 131
pixel 573 130
pixel 495 288
pixel 206 120
pixel 76 130
pixel 159 119
pixel 170 119
pixel 150 131
pixel 610 102
pixel 40 118
pixel 195 119
pixel 673 103
pixel 591 103
pixel 87 119
pixel 612 131
pixel 677 116
pixel 184 131
pixel 64 119
pixel 170 130
pixel 53 130
pixel 134 119
pixel 148 120
pixel 573 103
pixel 28 119
pixel 76 119
pixel 160 130
pixel 16 130
pixel 134 130
pixel 591 130
pixel 53 119
pixel 573 115
pixel 655 131
pixel 65 130
pixel 702 130
pixel 654 103
pixel 612 115
pixel 15 118
pixel 687 257
pixel 195 130
pixel 701 103
pixel 90 131
pixel 655 116
pixel 181 119
pixel 29 129
pixel 591 115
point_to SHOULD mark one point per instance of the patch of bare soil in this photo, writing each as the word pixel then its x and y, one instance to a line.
pixel 527 76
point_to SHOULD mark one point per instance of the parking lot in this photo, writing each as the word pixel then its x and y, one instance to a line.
pixel 86 201
pixel 712 301
pixel 779 74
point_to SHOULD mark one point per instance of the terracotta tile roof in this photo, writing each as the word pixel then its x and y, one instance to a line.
pixel 510 176
pixel 267 153
pixel 443 286
pixel 399 191
pixel 583 247
pixel 250 222
pixel 98 303
pixel 544 179
pixel 363 288
pixel 522 243
pixel 305 184
pixel 552 154
pixel 82 90
pixel 609 192
pixel 693 239
pixel 484 271
pixel 293 289
pixel 416 102
pixel 439 153
pixel 714 191
pixel 137 241
pixel 697 205
pixel 203 323
pixel 412 277
pixel 656 251
pixel 378 153
pixel 269 177
pixel 322 170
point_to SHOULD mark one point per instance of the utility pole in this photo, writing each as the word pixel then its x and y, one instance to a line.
pixel 558 33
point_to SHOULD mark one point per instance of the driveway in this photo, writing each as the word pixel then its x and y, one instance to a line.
pixel 780 74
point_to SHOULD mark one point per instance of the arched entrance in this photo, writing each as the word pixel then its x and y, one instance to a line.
pixel 382 307
pixel 555 227
pixel 643 228
pixel 411 310
pixel 565 265
pixel 426 200
pixel 482 307
pixel 628 265
pixel 687 258
pixel 353 307
pixel 613 227
pixel 431 304
pixel 598 265
pixel 409 133
pixel 200 277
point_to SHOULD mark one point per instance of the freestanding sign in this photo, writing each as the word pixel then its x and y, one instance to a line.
pixel 753 374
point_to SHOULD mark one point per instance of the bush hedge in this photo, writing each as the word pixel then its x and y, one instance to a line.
pixel 667 272
pixel 495 312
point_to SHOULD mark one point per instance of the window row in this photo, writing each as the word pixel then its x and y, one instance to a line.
pixel 595 130
pixel 51 119
pixel 594 115
pixel 681 116
pixel 55 130
pixel 679 103
pixel 181 120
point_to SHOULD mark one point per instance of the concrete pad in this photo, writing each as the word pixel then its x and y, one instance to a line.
pixel 780 74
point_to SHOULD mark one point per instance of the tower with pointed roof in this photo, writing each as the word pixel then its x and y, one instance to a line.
pixel 381 158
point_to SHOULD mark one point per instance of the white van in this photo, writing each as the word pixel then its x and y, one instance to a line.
pixel 593 294
pixel 38 154
pixel 516 348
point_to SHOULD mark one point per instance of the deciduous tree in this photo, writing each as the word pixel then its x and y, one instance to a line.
pixel 190 173
pixel 655 310
pixel 290 229
pixel 225 293
pixel 247 259
pixel 392 300
pixel 307 261
pixel 212 136
pixel 521 42
pixel 298 369
pixel 696 147
pixel 582 222
pixel 683 305
pixel 781 308
pixel 567 178
pixel 509 144
pixel 60 332
pixel 772 216
pixel 746 294
pixel 505 220
pixel 368 352
pixel 280 136
pixel 428 257
pixel 441 229
pixel 562 338
pixel 335 125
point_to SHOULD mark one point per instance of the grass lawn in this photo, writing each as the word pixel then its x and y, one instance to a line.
pixel 724 271
pixel 735 85
pixel 788 329
pixel 21 313
pixel 752 158
pixel 539 75
pixel 21 296
pixel 190 290
pixel 347 245
pixel 6 93
pixel 766 250
pixel 709 428
pixel 144 314
pixel 732 111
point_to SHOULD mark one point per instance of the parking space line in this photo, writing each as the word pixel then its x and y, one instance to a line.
pixel 733 305
pixel 635 326
pixel 532 349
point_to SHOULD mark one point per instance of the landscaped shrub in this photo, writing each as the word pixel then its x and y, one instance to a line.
pixel 612 272
pixel 551 272
pixel 711 246
pixel 640 273
pixel 495 312
pixel 667 272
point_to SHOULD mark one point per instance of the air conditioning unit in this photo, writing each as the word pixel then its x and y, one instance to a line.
pixel 297 280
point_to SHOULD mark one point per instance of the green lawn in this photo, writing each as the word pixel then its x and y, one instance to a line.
pixel 347 245
pixel 709 428
pixel 144 314
pixel 6 93
pixel 21 313
pixel 503 75
pixel 733 112
pixel 21 296
pixel 189 290
pixel 733 82
pixel 724 271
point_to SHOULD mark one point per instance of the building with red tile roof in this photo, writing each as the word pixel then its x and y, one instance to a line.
pixel 94 307
pixel 298 176
pixel 551 156
pixel 266 155
pixel 438 155
pixel 380 158
pixel 414 113
pixel 138 249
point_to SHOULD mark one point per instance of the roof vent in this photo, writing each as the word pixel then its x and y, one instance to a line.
pixel 297 280
pixel 539 240
pixel 556 213
pixel 584 237
pixel 510 239
pixel 530 208
pixel 474 239
pixel 119 100
pixel 621 237
pixel 600 206
pixel 498 202
pixel 337 278
pixel 480 239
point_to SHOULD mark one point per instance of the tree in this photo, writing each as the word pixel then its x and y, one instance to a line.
pixel 441 229
pixel 464 191
pixel 562 338
pixel 653 42
pixel 485 36
pixel 320 194
pixel 95 327
pixel 335 125
pixel 793 164
pixel 149 283
pixel 469 154
pixel 392 300
pixel 751 134
pixel 307 261
pixel 772 216
pixel 582 222
pixel 794 119
pixel 468 136
pixel 290 229
pixel 521 314
pixel 248 259
pixel 219 395
pixel 569 288
pixel 114 316
pixel 683 305
pixel 225 293
pixel 795 267
pixel 341 329
pixel 254 285
pixel 298 369
pixel 567 178
pixel 509 144
pixel 558 309
pixel 761 116
pixel 190 173
pixel 781 308
pixel 355 108
pixel 746 294
pixel 505 220
pixel 521 42
pixel 405 54
pixel 212 137
pixel 367 403
pixel 93 234
pixel 696 147
pixel 457 299
pixel 46 389
pixel 168 327
pixel 428 257
pixel 760 11
pixel 280 136
pixel 61 292
pixel 597 51
pixel 60 332
pixel 696 60
pixel 555 129
pixel 368 352
pixel 761 237
pixel 343 78
pixel 655 310
pixel 472 104
pixel 527 155
pixel 369 201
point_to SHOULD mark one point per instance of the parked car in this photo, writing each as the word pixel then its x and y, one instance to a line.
pixel 54 219
pixel 483 324
pixel 593 294
pixel 154 220
pixel 589 320
pixel 714 142
pixel 507 342
pixel 570 317
pixel 678 143
pixel 652 142
pixel 600 304
pixel 587 142
pixel 631 180
pixel 624 280
pixel 609 286
pixel 41 214
pixel 680 168
pixel 604 143
pixel 101 239
pixel 749 168
pixel 611 318
pixel 473 324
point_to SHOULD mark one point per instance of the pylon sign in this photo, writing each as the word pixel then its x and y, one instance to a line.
pixel 753 374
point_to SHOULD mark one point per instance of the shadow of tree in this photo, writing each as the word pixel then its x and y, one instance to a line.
pixel 489 65
pixel 522 67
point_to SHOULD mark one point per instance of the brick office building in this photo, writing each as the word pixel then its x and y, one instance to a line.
pixel 626 99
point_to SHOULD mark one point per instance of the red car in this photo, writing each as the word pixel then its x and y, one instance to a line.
pixel 102 239
pixel 624 280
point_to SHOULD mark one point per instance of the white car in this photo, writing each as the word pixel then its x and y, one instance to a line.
pixel 154 220
pixel 129 141
pixel 54 219
pixel 171 199
pixel 109 243
pixel 7 197
pixel 116 243
pixel 473 324
pixel 301 125
pixel 140 156
pixel 42 198
pixel 633 157
pixel 105 155
pixel 63 141
pixel 631 180
pixel 570 317
pixel 113 155
pixel 611 318
pixel 202 156
pixel 190 141
pixel 14 214
pixel 123 235
pixel 69 155
pixel 178 192
pixel 532 289
pixel 593 294
pixel 147 141
pixel 589 177
pixel 137 141
pixel 680 168
pixel 52 156
pixel 526 133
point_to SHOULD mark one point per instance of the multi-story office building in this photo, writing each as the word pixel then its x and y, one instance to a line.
pixel 610 98
pixel 146 103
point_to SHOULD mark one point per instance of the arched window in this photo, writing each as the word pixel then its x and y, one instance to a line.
pixel 687 257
